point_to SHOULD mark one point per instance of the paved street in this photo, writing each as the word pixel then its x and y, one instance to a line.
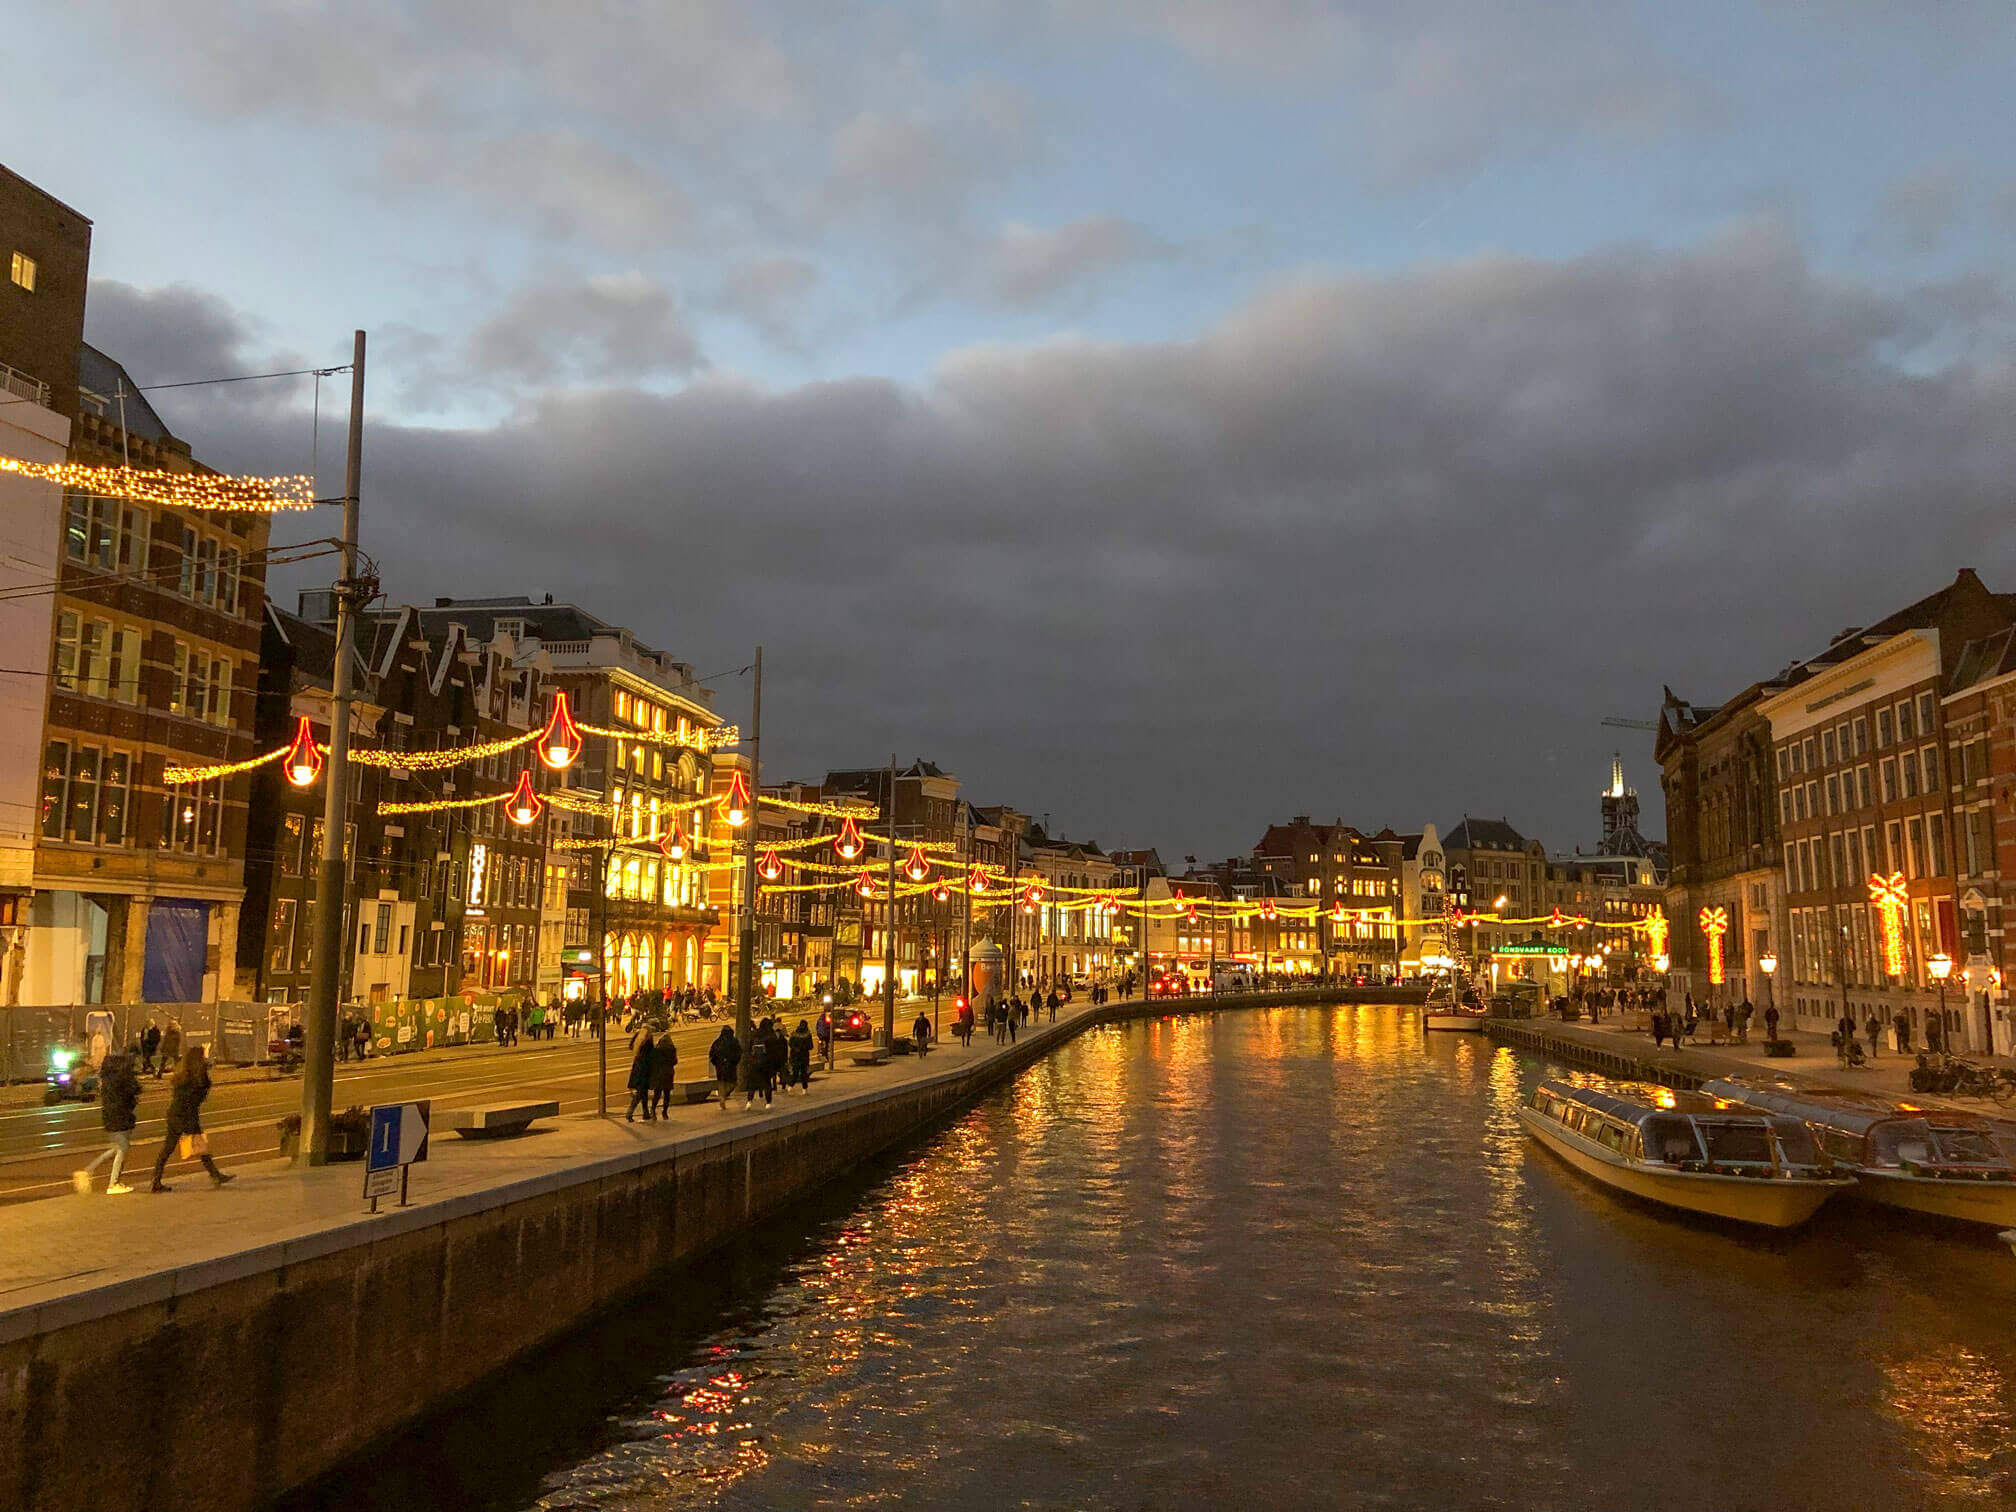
pixel 41 1146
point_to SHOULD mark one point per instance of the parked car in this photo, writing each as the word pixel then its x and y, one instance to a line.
pixel 851 1024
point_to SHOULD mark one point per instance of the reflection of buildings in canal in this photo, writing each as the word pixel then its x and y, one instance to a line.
pixel 1517 1282
pixel 1953 1410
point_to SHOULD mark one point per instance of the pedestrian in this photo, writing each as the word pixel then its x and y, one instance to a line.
pixel 1743 1012
pixel 920 1034
pixel 725 1055
pixel 150 1044
pixel 825 1036
pixel 1902 1025
pixel 1935 1034
pixel 1875 1028
pixel 780 1053
pixel 640 1082
pixel 363 1033
pixel 758 1069
pixel 664 1074
pixel 1658 1030
pixel 1015 1014
pixel 186 1090
pixel 801 1059
pixel 1844 1031
pixel 1053 1001
pixel 171 1048
pixel 118 1096
pixel 1771 1022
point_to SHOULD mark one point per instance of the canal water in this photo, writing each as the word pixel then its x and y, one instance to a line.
pixel 1288 1258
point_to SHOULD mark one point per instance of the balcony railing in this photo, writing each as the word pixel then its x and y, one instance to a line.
pixel 21 386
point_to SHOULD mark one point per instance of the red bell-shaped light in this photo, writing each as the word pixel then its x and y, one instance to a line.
pixel 672 844
pixel 1337 914
pixel 941 894
pixel 917 868
pixel 978 881
pixel 847 844
pixel 770 867
pixel 1267 909
pixel 524 805
pixel 560 742
pixel 734 805
pixel 302 763
pixel 1030 899
pixel 865 884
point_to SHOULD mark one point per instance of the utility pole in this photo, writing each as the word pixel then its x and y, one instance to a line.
pixel 745 976
pixel 318 1061
pixel 889 929
pixel 966 899
pixel 603 852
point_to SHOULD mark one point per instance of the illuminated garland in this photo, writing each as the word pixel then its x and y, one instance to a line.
pixel 847 810
pixel 704 740
pixel 439 761
pixel 1715 924
pixel 578 803
pixel 222 769
pixel 434 805
pixel 1655 933
pixel 1889 896
pixel 192 490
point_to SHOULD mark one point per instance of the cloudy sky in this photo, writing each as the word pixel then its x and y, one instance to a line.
pixel 1169 415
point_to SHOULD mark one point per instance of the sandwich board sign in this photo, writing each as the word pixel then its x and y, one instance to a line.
pixel 398 1139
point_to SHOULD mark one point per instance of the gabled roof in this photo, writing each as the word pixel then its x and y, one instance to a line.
pixel 1483 834
pixel 1989 657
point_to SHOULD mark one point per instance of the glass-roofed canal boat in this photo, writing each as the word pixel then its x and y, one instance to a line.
pixel 1701 1154
pixel 1935 1160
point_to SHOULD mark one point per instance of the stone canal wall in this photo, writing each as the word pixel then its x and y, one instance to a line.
pixel 219 1387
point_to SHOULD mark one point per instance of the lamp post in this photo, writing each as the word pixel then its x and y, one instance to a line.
pixel 1941 967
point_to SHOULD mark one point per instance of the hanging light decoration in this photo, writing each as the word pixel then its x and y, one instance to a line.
pixel 561 741
pixel 941 894
pixel 865 884
pixel 977 882
pixel 1267 910
pixel 1337 913
pixel 524 805
pixel 672 844
pixel 847 844
pixel 1715 924
pixel 770 866
pixel 1030 899
pixel 1890 897
pixel 734 805
pixel 1655 933
pixel 918 867
pixel 302 763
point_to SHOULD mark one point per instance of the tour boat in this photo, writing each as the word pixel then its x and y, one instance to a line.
pixel 1928 1160
pixel 1443 1009
pixel 1687 1151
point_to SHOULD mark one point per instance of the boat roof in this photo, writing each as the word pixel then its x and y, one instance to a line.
pixel 1634 1102
pixel 1856 1112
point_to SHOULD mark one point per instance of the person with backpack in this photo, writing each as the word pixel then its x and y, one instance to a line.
pixel 1771 1022
pixel 725 1056
pixel 757 1066
pixel 118 1097
pixel 801 1059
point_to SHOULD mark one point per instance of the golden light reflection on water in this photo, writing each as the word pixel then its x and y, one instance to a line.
pixel 1953 1409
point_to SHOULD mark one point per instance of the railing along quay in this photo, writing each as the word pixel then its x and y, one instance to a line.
pixel 1539 1038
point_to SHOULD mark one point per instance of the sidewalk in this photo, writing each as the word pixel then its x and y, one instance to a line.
pixel 1814 1061
pixel 68 1259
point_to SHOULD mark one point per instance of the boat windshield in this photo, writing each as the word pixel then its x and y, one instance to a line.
pixel 1736 1143
pixel 1968 1147
pixel 1671 1140
pixel 1795 1141
pixel 1902 1141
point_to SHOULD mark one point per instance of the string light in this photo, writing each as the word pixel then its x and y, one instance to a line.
pixel 1715 924
pixel 180 775
pixel 560 742
pixel 824 810
pixel 847 844
pixel 700 740
pixel 436 805
pixel 1889 896
pixel 173 490
pixel 1655 932
pixel 524 805
pixel 579 803
pixel 303 762
pixel 439 761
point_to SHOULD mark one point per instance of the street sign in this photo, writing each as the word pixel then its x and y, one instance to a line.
pixel 398 1139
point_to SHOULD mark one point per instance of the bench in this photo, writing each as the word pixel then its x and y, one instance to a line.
pixel 879 1056
pixel 694 1091
pixel 495 1120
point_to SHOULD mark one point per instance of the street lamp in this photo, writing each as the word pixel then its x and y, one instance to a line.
pixel 1941 967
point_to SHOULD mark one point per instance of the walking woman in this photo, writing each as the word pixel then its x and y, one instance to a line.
pixel 640 1081
pixel 186 1090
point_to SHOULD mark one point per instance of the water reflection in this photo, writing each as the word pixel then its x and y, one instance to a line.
pixel 1297 1257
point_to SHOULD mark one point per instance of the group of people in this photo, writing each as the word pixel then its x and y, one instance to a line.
pixel 1686 1023
pixel 771 1057
pixel 119 1110
pixel 156 1048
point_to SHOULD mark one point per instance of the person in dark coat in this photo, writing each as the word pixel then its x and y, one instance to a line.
pixel 171 1048
pixel 186 1091
pixel 801 1058
pixel 150 1045
pixel 780 1054
pixel 1659 1027
pixel 725 1055
pixel 1771 1021
pixel 920 1034
pixel 640 1082
pixel 118 1097
pixel 664 1072
pixel 758 1070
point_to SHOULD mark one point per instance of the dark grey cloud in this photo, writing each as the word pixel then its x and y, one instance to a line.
pixel 1919 211
pixel 1387 547
pixel 608 327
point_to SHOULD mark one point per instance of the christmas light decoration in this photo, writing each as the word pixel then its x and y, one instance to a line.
pixel 673 843
pixel 437 805
pixel 580 803
pixel 523 806
pixel 847 844
pixel 1890 897
pixel 917 868
pixel 1715 924
pixel 770 866
pixel 941 894
pixel 437 761
pixel 1337 914
pixel 1267 909
pixel 699 740
pixel 865 885
pixel 191 490
pixel 1655 932
pixel 180 775
pixel 977 880
pixel 734 805
pixel 303 763
pixel 560 742
pixel 824 810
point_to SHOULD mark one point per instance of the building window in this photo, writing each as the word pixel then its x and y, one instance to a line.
pixel 1862 786
pixel 1928 758
pixel 1883 728
pixel 1925 715
pixel 55 779
pixel 24 272
pixel 1936 827
pixel 381 932
pixel 1904 730
pixel 1888 771
pixel 280 956
pixel 1861 735
pixel 1827 747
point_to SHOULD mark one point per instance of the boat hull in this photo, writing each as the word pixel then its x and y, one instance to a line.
pixel 1991 1202
pixel 1778 1204
pixel 1456 1022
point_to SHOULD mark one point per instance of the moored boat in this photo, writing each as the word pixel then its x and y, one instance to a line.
pixel 1942 1161
pixel 1686 1151
pixel 1446 1009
